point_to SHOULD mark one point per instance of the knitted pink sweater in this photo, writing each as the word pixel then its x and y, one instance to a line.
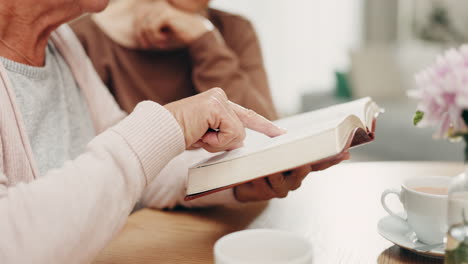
pixel 71 213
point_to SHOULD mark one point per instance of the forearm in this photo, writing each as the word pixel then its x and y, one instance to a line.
pixel 215 65
pixel 70 214
pixel 168 189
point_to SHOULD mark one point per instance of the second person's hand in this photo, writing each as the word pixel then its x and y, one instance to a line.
pixel 158 25
pixel 280 184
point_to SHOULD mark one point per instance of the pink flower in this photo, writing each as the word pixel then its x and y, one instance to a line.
pixel 443 92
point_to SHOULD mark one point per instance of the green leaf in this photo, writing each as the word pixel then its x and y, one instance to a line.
pixel 418 117
pixel 457 256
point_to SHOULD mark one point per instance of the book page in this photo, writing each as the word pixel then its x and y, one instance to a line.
pixel 357 108
pixel 298 127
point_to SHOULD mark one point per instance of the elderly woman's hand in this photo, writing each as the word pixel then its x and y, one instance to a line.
pixel 210 121
pixel 278 185
pixel 159 25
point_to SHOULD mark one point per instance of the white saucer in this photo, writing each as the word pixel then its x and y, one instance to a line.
pixel 398 232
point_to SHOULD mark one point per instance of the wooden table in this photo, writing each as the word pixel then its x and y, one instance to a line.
pixel 337 209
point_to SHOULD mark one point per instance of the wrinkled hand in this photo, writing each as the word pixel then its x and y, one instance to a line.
pixel 278 185
pixel 210 121
pixel 158 23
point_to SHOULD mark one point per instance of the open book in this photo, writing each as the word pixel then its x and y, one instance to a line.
pixel 312 137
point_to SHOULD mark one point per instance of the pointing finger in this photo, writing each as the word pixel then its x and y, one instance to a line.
pixel 256 122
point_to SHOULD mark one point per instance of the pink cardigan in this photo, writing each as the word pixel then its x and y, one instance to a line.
pixel 71 213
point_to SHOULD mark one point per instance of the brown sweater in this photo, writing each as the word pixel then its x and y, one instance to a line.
pixel 233 62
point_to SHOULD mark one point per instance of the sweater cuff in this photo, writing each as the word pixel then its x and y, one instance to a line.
pixel 154 135
pixel 207 44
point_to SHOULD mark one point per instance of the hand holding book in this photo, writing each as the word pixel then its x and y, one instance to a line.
pixel 280 184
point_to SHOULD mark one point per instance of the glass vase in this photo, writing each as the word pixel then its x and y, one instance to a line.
pixel 456 248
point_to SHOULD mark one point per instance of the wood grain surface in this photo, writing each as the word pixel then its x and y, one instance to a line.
pixel 337 210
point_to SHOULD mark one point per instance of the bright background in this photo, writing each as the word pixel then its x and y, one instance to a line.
pixel 303 41
pixel 378 44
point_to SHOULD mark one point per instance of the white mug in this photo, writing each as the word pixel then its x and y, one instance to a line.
pixel 263 246
pixel 425 213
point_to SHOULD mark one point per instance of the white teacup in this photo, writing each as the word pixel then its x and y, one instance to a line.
pixel 425 202
pixel 262 246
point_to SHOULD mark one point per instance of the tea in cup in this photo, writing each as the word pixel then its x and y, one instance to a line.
pixel 424 201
